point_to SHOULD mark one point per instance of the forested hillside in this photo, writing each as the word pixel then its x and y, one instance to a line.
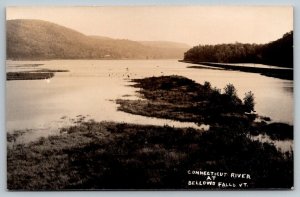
pixel 279 52
pixel 36 39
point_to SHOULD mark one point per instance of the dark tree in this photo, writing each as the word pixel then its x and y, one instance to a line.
pixel 249 102
pixel 230 90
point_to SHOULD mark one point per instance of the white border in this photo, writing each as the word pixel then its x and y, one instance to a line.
pixel 5 3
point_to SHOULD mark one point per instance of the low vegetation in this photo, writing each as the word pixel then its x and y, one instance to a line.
pixel 179 98
pixel 276 130
pixel 110 155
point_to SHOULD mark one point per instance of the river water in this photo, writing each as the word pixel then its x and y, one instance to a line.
pixel 91 86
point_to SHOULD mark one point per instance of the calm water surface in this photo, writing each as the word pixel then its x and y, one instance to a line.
pixel 91 87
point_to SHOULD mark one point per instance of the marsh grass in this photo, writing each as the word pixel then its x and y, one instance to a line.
pixel 109 155
pixel 275 130
pixel 179 98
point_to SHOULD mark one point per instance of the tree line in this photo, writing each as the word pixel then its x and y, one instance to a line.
pixel 278 52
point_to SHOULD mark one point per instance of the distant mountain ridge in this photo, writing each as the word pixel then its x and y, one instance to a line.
pixel 39 40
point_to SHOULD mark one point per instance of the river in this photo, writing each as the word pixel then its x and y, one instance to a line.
pixel 91 86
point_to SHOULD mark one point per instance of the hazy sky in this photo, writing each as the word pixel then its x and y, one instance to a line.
pixel 188 24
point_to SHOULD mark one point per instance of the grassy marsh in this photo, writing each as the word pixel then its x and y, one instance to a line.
pixel 109 155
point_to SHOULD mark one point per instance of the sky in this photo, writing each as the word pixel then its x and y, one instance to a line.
pixel 192 25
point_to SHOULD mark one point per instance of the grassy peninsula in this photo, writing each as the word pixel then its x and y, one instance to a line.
pixel 179 98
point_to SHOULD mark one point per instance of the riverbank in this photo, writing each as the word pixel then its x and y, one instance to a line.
pixel 270 72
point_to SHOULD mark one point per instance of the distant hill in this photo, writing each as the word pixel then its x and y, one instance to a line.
pixel 38 40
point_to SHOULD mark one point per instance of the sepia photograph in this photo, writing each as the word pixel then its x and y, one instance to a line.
pixel 149 98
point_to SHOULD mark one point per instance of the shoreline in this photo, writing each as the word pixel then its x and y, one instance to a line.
pixel 282 73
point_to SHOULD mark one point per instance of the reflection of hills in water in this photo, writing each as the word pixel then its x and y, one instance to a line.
pixel 36 39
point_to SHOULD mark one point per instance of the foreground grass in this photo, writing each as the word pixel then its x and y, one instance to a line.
pixel 110 155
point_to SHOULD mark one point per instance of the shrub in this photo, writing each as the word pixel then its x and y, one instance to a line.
pixel 207 85
pixel 230 90
pixel 249 102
